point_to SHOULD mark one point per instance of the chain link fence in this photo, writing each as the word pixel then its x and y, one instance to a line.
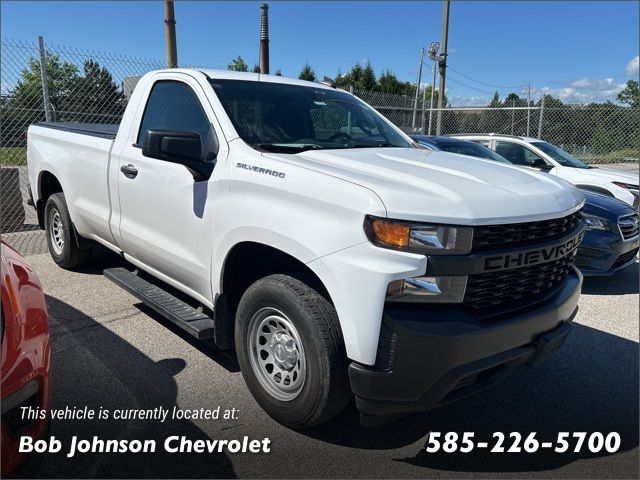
pixel 93 87
pixel 82 86
pixel 604 133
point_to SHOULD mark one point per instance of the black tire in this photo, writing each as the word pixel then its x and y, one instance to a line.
pixel 62 242
pixel 325 390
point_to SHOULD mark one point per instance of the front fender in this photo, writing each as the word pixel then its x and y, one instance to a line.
pixel 357 279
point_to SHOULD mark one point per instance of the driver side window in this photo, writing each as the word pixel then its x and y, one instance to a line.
pixel 172 105
pixel 516 153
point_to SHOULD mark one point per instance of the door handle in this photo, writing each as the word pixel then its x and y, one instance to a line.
pixel 129 171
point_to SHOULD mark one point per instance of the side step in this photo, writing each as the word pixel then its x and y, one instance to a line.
pixel 182 314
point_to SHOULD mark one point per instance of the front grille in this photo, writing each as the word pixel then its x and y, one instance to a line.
pixel 625 257
pixel 629 226
pixel 489 290
pixel 497 236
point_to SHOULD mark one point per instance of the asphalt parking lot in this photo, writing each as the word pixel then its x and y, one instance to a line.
pixel 110 351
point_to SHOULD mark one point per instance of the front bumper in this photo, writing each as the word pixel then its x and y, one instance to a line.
pixel 604 253
pixel 430 355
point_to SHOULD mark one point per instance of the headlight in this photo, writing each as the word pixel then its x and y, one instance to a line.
pixel 428 289
pixel 418 237
pixel 596 223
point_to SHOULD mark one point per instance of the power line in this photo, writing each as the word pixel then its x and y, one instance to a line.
pixel 484 83
pixel 470 86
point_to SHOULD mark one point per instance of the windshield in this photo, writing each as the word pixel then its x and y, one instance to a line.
pixel 292 118
pixel 464 147
pixel 559 155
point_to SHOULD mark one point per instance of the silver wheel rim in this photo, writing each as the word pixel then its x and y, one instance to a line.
pixel 276 354
pixel 56 231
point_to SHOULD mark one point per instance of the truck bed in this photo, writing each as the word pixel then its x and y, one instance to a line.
pixel 101 130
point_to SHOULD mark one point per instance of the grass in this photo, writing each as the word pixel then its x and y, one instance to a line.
pixel 11 156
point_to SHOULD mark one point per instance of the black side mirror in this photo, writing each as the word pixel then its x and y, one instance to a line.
pixel 180 147
pixel 541 164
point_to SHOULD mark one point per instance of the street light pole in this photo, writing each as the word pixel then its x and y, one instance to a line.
pixel 415 101
pixel 433 89
pixel 436 59
pixel 170 34
pixel 443 65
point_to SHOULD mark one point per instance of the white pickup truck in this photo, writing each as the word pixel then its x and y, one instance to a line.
pixel 290 221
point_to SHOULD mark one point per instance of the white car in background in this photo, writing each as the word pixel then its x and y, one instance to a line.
pixel 532 152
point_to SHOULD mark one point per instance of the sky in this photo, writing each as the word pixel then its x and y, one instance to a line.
pixel 578 51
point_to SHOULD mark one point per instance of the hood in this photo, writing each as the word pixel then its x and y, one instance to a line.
pixel 432 186
pixel 611 175
pixel 604 206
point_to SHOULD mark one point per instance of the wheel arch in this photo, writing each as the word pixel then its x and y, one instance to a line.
pixel 48 184
pixel 245 263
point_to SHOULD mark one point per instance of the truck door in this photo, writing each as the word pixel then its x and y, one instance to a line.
pixel 166 215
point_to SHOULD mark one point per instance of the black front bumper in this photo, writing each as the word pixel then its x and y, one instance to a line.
pixel 429 356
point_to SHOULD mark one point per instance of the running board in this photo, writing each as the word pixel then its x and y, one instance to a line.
pixel 192 320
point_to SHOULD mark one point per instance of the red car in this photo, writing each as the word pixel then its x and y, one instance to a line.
pixel 26 356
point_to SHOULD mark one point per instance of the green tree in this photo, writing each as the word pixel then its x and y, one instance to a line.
pixel 26 105
pixel 61 79
pixel 368 80
pixel 389 83
pixel 256 68
pixel 307 73
pixel 95 97
pixel 492 119
pixel 238 65
pixel 630 94
pixel 356 75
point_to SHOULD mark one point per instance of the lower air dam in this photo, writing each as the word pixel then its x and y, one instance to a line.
pixel 173 444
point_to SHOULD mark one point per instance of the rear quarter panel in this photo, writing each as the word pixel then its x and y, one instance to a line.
pixel 80 163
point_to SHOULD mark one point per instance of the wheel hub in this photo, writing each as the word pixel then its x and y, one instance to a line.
pixel 276 354
pixel 56 232
pixel 284 350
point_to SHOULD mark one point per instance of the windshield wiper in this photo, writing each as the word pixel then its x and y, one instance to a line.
pixel 287 148
pixel 372 145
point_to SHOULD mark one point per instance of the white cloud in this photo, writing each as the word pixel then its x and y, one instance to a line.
pixel 583 90
pixel 633 67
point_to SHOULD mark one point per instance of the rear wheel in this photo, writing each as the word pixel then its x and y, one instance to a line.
pixel 291 353
pixel 60 235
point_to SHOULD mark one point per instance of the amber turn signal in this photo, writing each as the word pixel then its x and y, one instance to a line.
pixel 394 234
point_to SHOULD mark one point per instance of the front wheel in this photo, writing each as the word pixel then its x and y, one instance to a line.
pixel 291 353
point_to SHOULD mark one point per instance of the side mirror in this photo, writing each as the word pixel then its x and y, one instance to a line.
pixel 541 164
pixel 184 148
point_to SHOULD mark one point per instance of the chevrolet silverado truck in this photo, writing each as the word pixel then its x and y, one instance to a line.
pixel 290 221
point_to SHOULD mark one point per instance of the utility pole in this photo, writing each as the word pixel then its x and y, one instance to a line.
pixel 528 107
pixel 443 65
pixel 264 38
pixel 424 111
pixel 415 100
pixel 170 34
pixel 48 111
